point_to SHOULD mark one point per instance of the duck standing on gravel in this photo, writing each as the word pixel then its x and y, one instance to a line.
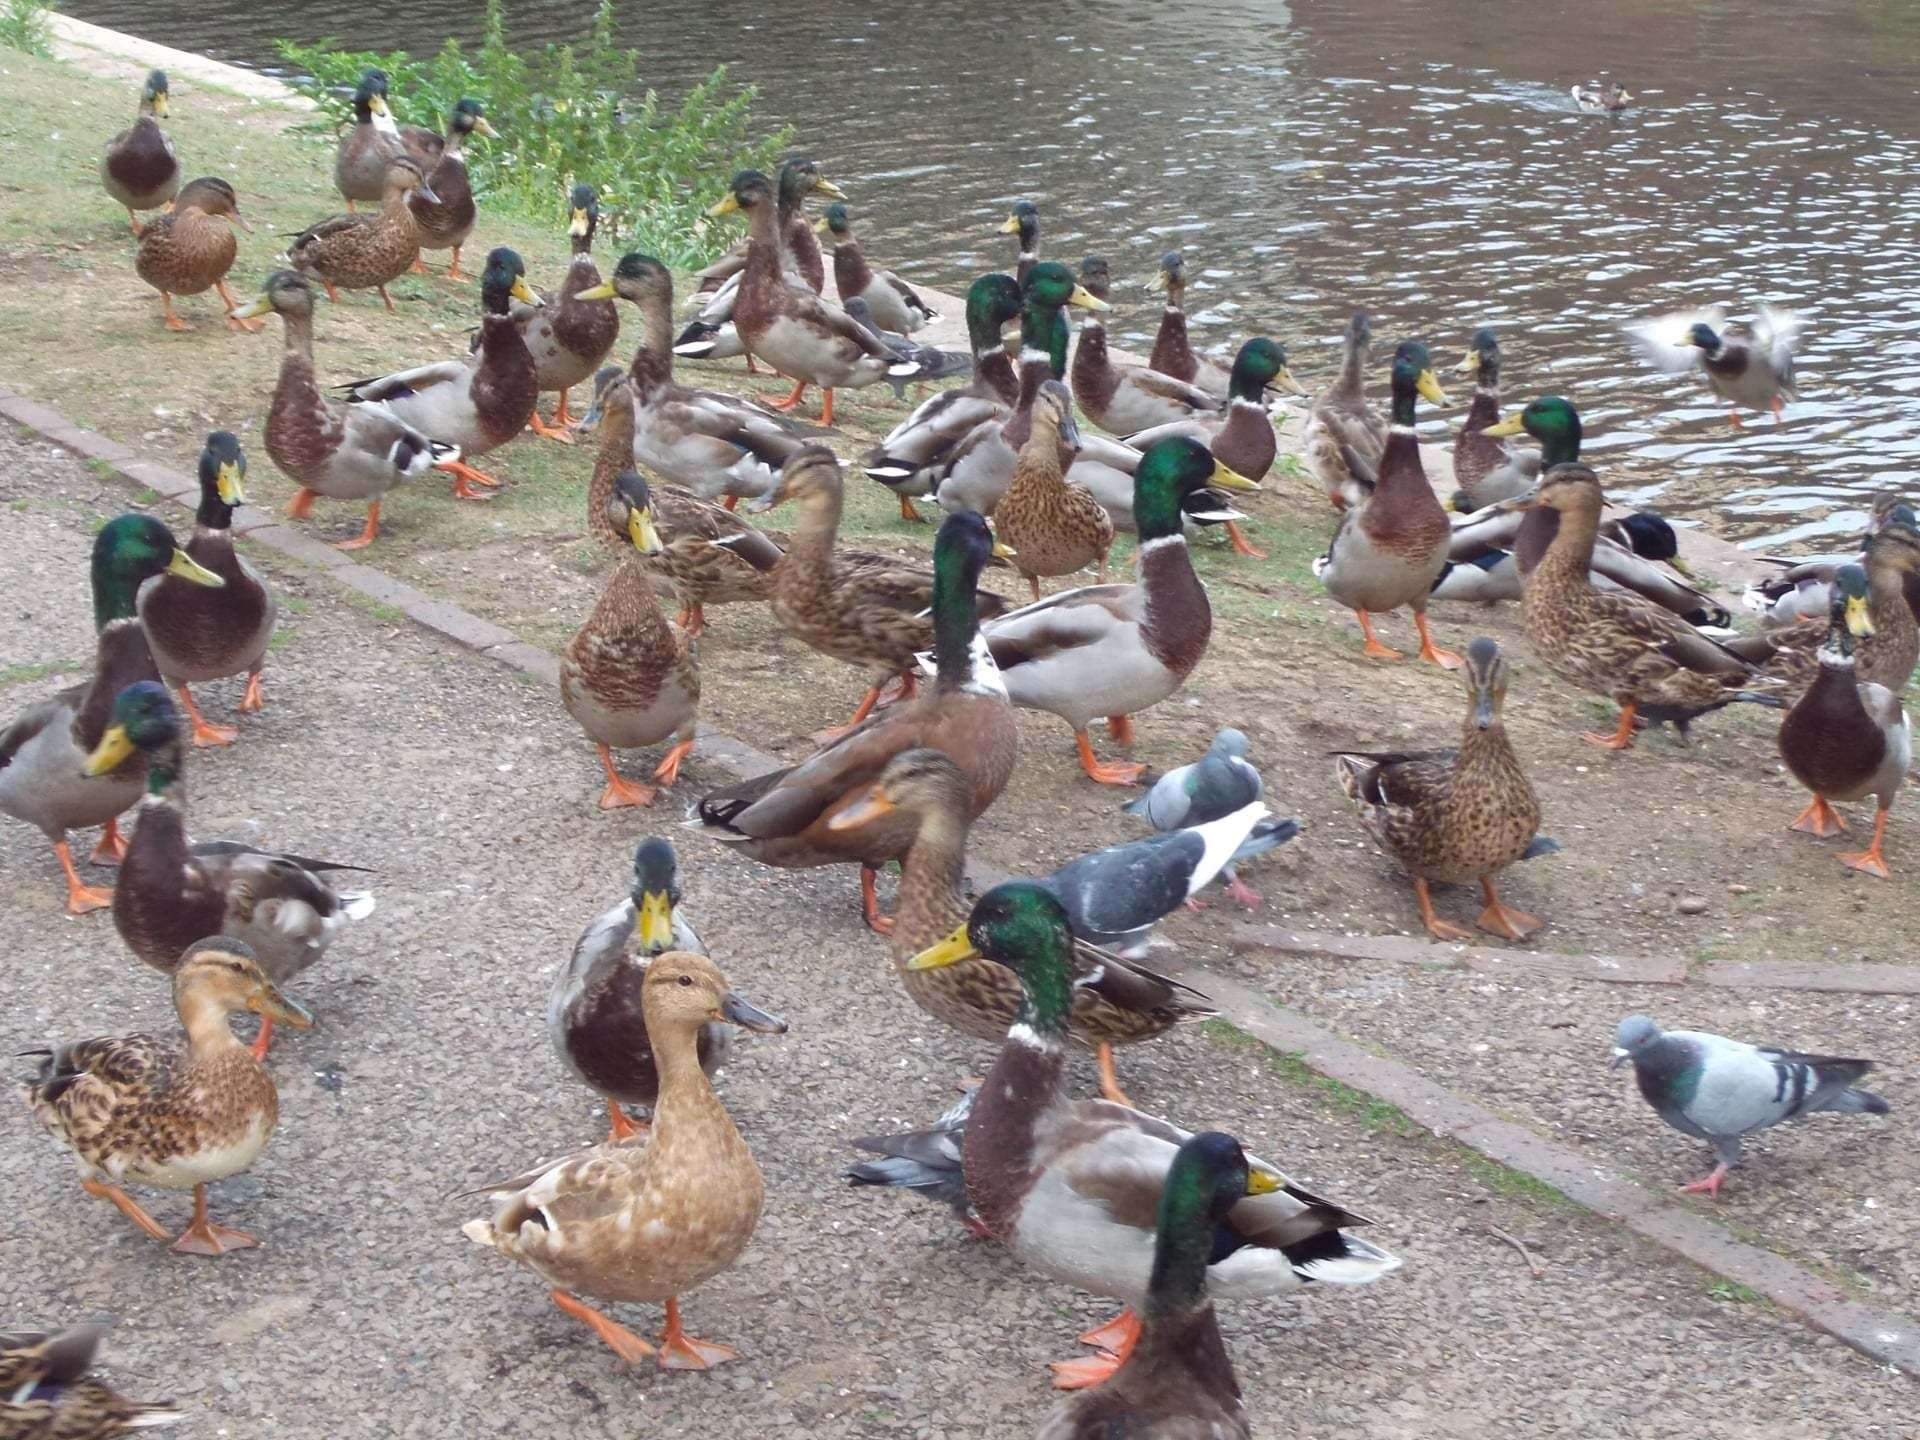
pixel 140 169
pixel 367 252
pixel 445 213
pixel 189 250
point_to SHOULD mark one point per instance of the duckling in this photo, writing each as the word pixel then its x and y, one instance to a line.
pixel 894 303
pixel 1024 221
pixel 360 162
pixel 596 1017
pixel 1454 816
pixel 365 252
pixel 570 334
pixel 1601 98
pixel 196 633
pixel 629 677
pixel 1847 738
pixel 1052 527
pixel 47 1394
pixel 1750 366
pixel 188 251
pixel 646 1219
pixel 1172 350
pixel 445 213
pixel 140 169
pixel 145 1110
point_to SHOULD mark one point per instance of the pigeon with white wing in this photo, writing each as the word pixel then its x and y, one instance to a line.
pixel 1217 784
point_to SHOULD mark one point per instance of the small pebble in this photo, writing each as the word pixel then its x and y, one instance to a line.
pixel 1691 905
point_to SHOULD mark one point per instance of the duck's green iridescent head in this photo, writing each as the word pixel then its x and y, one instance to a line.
pixel 836 220
pixel 1552 421
pixel 1024 927
pixel 1413 376
pixel 1023 220
pixel 992 301
pixel 130 550
pixel 1850 617
pixel 145 722
pixel 1209 1176
pixel 1169 471
pixel 153 95
pixel 504 279
pixel 1050 287
pixel 1483 355
pixel 1260 366
pixel 656 890
pixel 223 476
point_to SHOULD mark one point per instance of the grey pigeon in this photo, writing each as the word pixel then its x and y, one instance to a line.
pixel 926 1161
pixel 1212 787
pixel 935 364
pixel 1720 1090
pixel 1114 897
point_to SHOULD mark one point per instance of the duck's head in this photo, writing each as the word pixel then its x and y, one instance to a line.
pixel 1053 411
pixel 636 503
pixel 1849 616
pixel 223 478
pixel 1897 538
pixel 639 278
pixel 1096 276
pixel 800 177
pixel 211 195
pixel 1360 334
pixel 143 722
pixel 810 474
pixel 684 991
pixel 1704 337
pixel 1633 1038
pixel 505 279
pixel 583 219
pixel 222 975
pixel 1483 353
pixel 1051 285
pixel 748 189
pixel 1209 1176
pixel 1023 220
pixel 1169 471
pixel 1022 925
pixel 286 293
pixel 370 96
pixel 130 550
pixel 992 301
pixel 1261 366
pixel 923 783
pixel 837 221
pixel 153 95
pixel 470 118
pixel 1413 375
pixel 1485 674
pixel 405 177
pixel 1553 421
pixel 1172 274
pixel 656 891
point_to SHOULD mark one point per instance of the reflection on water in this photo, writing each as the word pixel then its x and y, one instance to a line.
pixel 1423 162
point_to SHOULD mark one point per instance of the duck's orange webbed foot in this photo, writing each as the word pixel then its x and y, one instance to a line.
pixel 619 1126
pixel 127 1206
pixel 1373 649
pixel 1620 739
pixel 788 402
pixel 1115 1342
pixel 1436 927
pixel 82 898
pixel 466 479
pixel 1870 860
pixel 622 793
pixel 262 1040
pixel 1111 772
pixel 681 1351
pixel 669 767
pixel 870 903
pixel 1503 920
pixel 556 431
pixel 203 1237
pixel 1819 819
pixel 253 700
pixel 301 505
pixel 1242 545
pixel 1445 659
pixel 204 732
pixel 112 848
pixel 1110 1080
pixel 627 1347
pixel 369 532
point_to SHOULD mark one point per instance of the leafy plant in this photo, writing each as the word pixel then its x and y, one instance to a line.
pixel 567 114
pixel 23 26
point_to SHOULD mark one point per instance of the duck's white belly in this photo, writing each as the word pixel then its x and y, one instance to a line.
pixel 1115 675
pixel 445 412
pixel 202 1167
pixel 1074 1239
pixel 627 726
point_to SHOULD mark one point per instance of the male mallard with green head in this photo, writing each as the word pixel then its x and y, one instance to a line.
pixel 1750 366
pixel 360 162
pixel 1172 350
pixel 1023 221
pixel 140 169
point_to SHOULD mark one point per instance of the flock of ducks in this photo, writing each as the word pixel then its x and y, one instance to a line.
pixel 1093 1192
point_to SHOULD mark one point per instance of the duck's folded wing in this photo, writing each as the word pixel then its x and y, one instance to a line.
pixel 332 225
pixel 1671 637
pixel 1165 387
pixel 1131 986
pixel 811 308
pixel 409 382
pixel 1060 622
pixel 908 295
pixel 36 717
pixel 222 849
pixel 1401 778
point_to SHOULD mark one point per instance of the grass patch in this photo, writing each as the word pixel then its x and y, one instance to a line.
pixel 36 670
pixel 1733 1292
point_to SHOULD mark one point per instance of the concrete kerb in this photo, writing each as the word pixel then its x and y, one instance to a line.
pixel 1885 1337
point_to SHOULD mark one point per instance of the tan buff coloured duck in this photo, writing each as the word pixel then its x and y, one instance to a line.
pixel 1052 527
pixel 366 252
pixel 1342 423
pixel 189 250
pixel 648 1219
pixel 140 170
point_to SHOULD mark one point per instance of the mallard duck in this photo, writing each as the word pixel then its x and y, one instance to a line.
pixel 1073 1186
pixel 1750 366
pixel 146 1110
pixel 1341 422
pixel 1652 663
pixel 188 250
pixel 364 252
pixel 480 401
pixel 708 555
pixel 1023 221
pixel 344 452
pixel 1114 650
pixel 798 333
pixel 198 634
pixel 785 818
pixel 867 611
pixel 596 1016
pixel 140 170
pixel 1211 788
pixel 1485 469
pixel 43 750
pixel 1178 1383
pixel 913 458
pixel 1172 350
pixel 646 1219
pixel 575 329
pixel 444 212
pixel 718 446
pixel 894 303
pixel 1127 398
pixel 1848 737
pixel 1454 816
pixel 1392 543
pixel 171 891
pixel 1598 97
pixel 629 677
pixel 1799 591
pixel 45 1390
pixel 1052 527
pixel 360 162
pixel 1116 1001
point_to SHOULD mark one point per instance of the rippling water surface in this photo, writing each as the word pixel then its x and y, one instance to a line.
pixel 1424 162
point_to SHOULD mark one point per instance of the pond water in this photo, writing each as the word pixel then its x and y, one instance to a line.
pixel 1423 162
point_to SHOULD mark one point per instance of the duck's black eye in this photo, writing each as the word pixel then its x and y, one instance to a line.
pixel 686 979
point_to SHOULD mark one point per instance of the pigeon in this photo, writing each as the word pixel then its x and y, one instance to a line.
pixel 1114 897
pixel 925 1161
pixel 1721 1090
pixel 1212 787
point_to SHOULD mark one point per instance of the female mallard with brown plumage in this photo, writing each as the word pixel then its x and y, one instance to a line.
pixel 172 891
pixel 596 1015
pixel 343 452
pixel 1848 737
pixel 480 401
pixel 1342 422
pixel 1172 349
pixel 47 1394
pixel 786 818
pixel 148 1110
pixel 1124 399
pixel 575 330
pixel 1392 543
pixel 44 751
pixel 708 555
pixel 1453 817
pixel 360 161
pixel 646 1219
pixel 365 252
pixel 444 212
pixel 1115 650
pixel 630 678
pixel 189 250
pixel 895 304
pixel 199 633
pixel 1483 467
pixel 140 169
pixel 1053 528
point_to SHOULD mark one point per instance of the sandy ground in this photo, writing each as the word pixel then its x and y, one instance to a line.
pixel 366 1313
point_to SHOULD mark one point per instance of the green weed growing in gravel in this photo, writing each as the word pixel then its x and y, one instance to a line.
pixel 1734 1291
pixel 23 26
pixel 34 670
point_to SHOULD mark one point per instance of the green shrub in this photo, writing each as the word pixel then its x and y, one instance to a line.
pixel 568 115
pixel 23 26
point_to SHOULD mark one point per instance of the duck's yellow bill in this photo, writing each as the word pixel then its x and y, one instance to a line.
pixel 1510 426
pixel 1429 386
pixel 1228 479
pixel 725 205
pixel 227 484
pixel 653 926
pixel 823 186
pixel 1470 365
pixel 874 805
pixel 1859 618
pixel 603 291
pixel 640 531
pixel 1284 380
pixel 375 103
pixel 258 306
pixel 160 105
pixel 1010 225
pixel 950 951
pixel 1086 299
pixel 187 568
pixel 1003 551
pixel 1259 1182
pixel 523 292
pixel 485 129
pixel 113 751
pixel 578 226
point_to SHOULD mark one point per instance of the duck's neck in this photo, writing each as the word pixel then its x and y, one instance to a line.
pixel 813 538
pixel 1353 368
pixel 115 592
pixel 763 249
pixel 850 269
pixel 1485 409
pixel 932 902
pixel 653 361
pixel 686 1095
pixel 1569 557
pixel 215 516
pixel 205 1021
pixel 1182 1248
pixel 616 455
pixel 955 577
pixel 298 339
pixel 394 206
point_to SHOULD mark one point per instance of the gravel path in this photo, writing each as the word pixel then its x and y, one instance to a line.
pixel 367 1314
